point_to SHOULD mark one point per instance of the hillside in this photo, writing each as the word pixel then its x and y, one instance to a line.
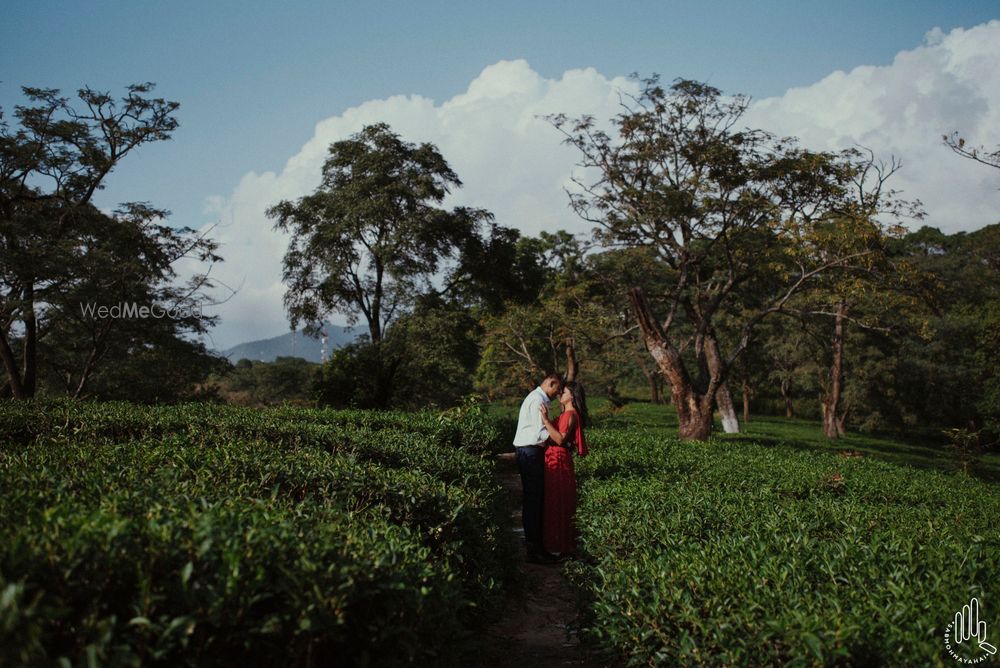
pixel 292 344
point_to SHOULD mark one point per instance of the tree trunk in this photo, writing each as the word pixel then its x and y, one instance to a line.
pixel 694 415
pixel 374 312
pixel 85 374
pixel 694 410
pixel 10 365
pixel 746 400
pixel 841 421
pixel 572 368
pixel 831 402
pixel 30 341
pixel 652 377
pixel 727 411
pixel 613 396
pixel 786 386
pixel 840 425
pixel 723 398
pixel 374 331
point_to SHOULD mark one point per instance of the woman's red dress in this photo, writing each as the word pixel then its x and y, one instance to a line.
pixel 559 532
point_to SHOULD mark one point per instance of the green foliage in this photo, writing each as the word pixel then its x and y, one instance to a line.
pixel 733 553
pixel 924 449
pixel 585 307
pixel 949 375
pixel 59 253
pixel 987 342
pixel 372 234
pixel 928 364
pixel 170 370
pixel 737 219
pixel 426 359
pixel 496 268
pixel 266 383
pixel 358 375
pixel 204 535
pixel 437 352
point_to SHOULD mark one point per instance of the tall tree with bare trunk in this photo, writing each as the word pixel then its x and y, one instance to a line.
pixel 55 246
pixel 727 210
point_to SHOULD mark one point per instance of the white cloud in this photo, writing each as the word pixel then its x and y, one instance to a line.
pixel 513 163
pixel 951 82
pixel 510 161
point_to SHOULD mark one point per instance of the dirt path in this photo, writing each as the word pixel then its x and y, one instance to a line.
pixel 536 629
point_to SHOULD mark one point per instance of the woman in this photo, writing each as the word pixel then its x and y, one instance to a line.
pixel 565 435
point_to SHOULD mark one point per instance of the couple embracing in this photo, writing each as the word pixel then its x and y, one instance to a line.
pixel 545 461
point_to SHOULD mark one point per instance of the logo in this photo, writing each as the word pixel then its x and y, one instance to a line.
pixel 965 636
pixel 134 310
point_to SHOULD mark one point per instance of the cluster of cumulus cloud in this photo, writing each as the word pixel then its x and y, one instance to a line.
pixel 512 162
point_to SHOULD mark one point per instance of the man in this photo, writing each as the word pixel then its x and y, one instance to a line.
pixel 529 444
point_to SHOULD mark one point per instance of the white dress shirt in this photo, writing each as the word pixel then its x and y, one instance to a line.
pixel 530 428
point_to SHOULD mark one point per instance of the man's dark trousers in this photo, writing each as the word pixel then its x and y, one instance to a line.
pixel 531 465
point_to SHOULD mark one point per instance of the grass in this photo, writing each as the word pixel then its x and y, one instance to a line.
pixel 794 433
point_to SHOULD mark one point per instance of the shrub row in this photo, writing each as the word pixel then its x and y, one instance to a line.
pixel 739 554
pixel 248 538
pixel 468 428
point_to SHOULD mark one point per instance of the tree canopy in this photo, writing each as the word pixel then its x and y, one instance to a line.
pixel 727 210
pixel 372 234
pixel 58 251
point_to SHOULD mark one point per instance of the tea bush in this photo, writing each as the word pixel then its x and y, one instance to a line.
pixel 202 535
pixel 727 553
pixel 468 429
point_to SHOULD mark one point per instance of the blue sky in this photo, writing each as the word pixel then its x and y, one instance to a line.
pixel 254 77
pixel 259 81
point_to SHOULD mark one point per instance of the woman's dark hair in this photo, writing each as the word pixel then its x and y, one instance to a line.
pixel 579 401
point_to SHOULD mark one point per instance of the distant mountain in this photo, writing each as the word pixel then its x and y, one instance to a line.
pixel 292 344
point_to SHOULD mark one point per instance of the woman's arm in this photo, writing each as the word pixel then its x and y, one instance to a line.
pixel 557 436
pixel 549 426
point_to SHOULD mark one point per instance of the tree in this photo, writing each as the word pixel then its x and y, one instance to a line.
pixel 566 332
pixel 496 268
pixel 611 273
pixel 989 312
pixel 372 235
pixel 357 375
pixel 916 338
pixel 427 357
pixel 128 259
pixel 436 350
pixel 576 327
pixel 721 208
pixel 171 369
pixel 871 294
pixel 56 248
pixel 980 154
pixel 286 379
pixel 949 377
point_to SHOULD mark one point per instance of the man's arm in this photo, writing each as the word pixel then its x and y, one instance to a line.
pixel 543 431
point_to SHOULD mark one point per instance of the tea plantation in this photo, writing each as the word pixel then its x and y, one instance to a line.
pixel 201 535
pixel 205 535
pixel 741 554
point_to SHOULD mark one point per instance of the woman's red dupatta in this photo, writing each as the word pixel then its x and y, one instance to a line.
pixel 581 441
